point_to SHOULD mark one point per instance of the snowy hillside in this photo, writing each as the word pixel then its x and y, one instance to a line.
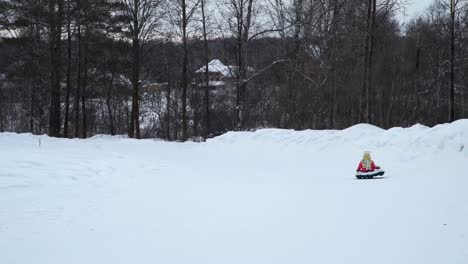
pixel 271 196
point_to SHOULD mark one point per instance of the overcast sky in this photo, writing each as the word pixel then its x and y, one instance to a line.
pixel 414 9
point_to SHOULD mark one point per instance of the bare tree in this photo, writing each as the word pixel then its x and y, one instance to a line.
pixel 182 15
pixel 368 54
pixel 55 30
pixel 296 15
pixel 78 71
pixel 84 131
pixel 68 74
pixel 142 17
pixel 453 4
pixel 206 130
pixel 240 14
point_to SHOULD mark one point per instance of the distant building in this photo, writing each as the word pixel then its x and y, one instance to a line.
pixel 219 75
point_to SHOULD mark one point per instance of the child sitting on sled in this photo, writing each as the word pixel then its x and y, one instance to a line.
pixel 367 164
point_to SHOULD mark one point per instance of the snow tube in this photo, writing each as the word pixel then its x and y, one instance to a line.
pixel 369 174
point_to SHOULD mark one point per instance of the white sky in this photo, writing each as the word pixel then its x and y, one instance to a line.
pixel 414 9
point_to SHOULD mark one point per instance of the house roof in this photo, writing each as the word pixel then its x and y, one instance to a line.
pixel 216 66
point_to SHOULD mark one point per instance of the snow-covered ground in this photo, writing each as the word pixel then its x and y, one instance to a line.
pixel 272 196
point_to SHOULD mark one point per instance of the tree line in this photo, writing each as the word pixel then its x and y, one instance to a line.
pixel 76 68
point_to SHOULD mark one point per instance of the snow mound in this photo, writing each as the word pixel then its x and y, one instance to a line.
pixel 418 138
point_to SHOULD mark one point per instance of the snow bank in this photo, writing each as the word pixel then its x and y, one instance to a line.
pixel 418 138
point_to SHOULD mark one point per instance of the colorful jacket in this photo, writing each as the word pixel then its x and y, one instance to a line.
pixel 371 167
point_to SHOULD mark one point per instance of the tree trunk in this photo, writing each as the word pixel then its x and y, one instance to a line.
pixel 54 41
pixel 452 62
pixel 292 84
pixel 462 104
pixel 168 95
pixel 2 129
pixel 109 108
pixel 134 131
pixel 206 131
pixel 370 90
pixel 84 133
pixel 184 71
pixel 32 86
pixel 31 110
pixel 243 31
pixel 78 74
pixel 67 96
pixel 333 63
pixel 364 109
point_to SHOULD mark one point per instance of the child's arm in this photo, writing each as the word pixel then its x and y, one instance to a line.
pixel 359 167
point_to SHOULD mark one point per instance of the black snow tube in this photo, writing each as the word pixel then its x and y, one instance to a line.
pixel 370 174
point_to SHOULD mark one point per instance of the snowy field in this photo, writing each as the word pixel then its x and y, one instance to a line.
pixel 272 196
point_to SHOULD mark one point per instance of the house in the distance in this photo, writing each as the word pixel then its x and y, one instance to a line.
pixel 219 75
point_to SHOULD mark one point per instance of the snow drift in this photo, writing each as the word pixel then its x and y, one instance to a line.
pixel 270 196
pixel 450 137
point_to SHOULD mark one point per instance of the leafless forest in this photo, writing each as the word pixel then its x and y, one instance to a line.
pixel 192 69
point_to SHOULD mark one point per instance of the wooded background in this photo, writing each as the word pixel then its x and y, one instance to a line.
pixel 77 68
